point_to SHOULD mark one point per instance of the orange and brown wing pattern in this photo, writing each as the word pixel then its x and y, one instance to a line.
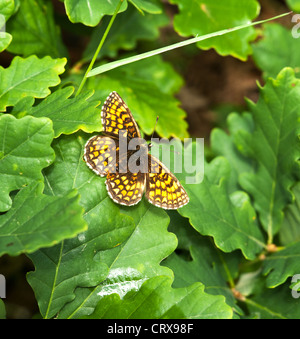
pixel 116 116
pixel 101 154
pixel 126 189
pixel 163 189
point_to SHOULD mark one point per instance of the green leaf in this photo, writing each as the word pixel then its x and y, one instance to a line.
pixel 69 114
pixel 275 303
pixel 144 94
pixel 90 12
pixel 150 6
pixel 128 28
pixel 205 264
pixel 7 8
pixel 199 17
pixel 294 5
pixel 28 77
pixel 5 40
pixel 52 283
pixel 226 145
pixel 157 300
pixel 275 146
pixel 37 220
pixel 276 50
pixel 282 264
pixel 62 268
pixel 116 247
pixel 24 151
pixel 290 231
pixel 136 259
pixel 228 218
pixel 34 31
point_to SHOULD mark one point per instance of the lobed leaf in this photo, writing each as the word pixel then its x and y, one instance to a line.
pixel 275 146
pixel 7 8
pixel 294 5
pixel 28 77
pixel 227 145
pixel 290 230
pixel 37 220
pixel 90 12
pixel 150 6
pixel 228 218
pixel 129 27
pixel 198 17
pixel 24 151
pixel 276 50
pixel 214 209
pixel 135 260
pixel 70 264
pixel 34 30
pixel 275 303
pixel 157 300
pixel 282 264
pixel 198 260
pixel 68 115
pixel 5 40
pixel 117 252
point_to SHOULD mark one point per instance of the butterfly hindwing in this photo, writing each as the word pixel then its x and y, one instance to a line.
pixel 126 188
pixel 163 189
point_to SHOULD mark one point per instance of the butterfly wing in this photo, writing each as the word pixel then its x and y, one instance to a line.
pixel 101 154
pixel 126 188
pixel 163 189
pixel 116 116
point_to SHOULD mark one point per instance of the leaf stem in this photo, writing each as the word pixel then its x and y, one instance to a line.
pixel 99 47
pixel 264 308
pixel 227 271
pixel 54 281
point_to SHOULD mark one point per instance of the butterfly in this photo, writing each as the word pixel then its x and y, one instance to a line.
pixel 102 154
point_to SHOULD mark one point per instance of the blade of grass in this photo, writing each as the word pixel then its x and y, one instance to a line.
pixel 99 47
pixel 118 63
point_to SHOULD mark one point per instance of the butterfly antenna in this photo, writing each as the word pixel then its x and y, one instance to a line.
pixel 150 145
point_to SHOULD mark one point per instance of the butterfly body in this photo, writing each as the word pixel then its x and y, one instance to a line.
pixel 130 171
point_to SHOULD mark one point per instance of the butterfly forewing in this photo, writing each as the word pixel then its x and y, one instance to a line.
pixel 116 116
